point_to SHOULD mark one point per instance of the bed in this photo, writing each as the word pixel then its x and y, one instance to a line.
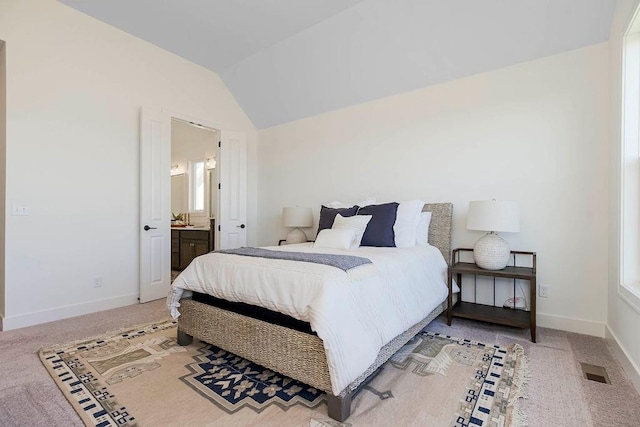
pixel 278 340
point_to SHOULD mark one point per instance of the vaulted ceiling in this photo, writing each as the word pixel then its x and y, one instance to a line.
pixel 288 59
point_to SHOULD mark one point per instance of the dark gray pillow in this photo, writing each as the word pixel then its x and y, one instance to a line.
pixel 379 231
pixel 328 215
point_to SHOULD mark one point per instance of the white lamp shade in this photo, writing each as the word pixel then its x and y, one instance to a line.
pixel 297 217
pixel 492 215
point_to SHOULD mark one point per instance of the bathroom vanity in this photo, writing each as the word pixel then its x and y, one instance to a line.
pixel 190 242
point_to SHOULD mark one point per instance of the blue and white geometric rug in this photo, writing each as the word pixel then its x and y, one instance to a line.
pixel 142 377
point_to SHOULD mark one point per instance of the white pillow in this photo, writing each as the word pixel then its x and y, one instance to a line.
pixel 339 205
pixel 344 238
pixel 357 223
pixel 407 219
pixel 422 230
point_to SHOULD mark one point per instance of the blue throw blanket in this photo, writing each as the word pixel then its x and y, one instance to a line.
pixel 343 262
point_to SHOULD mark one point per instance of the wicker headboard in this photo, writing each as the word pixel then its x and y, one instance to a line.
pixel 440 227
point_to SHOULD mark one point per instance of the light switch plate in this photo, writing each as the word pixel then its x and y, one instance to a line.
pixel 20 210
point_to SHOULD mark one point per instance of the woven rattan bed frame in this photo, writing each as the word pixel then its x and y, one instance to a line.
pixel 293 353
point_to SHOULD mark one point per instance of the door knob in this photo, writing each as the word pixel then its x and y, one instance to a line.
pixel 241 226
pixel 147 228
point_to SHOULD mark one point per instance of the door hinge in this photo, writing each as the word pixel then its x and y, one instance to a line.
pixel 218 228
pixel 220 144
pixel 218 186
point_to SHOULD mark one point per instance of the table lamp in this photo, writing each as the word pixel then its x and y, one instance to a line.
pixel 297 217
pixel 491 251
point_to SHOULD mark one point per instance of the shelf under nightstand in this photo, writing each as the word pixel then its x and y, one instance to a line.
pixel 488 313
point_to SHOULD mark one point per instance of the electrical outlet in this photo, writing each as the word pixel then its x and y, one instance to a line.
pixel 97 282
pixel 544 291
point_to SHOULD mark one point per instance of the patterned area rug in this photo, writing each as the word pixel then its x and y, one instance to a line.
pixel 143 377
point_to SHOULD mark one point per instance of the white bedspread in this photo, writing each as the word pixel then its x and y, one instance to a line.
pixel 354 313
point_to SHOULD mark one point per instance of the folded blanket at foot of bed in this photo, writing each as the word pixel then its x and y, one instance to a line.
pixel 343 262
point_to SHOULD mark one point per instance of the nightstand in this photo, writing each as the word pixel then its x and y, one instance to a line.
pixel 283 242
pixel 488 313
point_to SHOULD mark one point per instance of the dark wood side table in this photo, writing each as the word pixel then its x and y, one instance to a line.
pixel 488 313
pixel 283 242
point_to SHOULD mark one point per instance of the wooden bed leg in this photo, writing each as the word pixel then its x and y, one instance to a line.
pixel 184 338
pixel 339 407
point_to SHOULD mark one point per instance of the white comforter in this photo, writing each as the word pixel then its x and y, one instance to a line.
pixel 354 313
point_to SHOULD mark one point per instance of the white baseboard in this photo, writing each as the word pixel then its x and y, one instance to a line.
pixel 628 365
pixel 50 315
pixel 569 324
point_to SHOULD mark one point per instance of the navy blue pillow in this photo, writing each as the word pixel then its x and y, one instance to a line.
pixel 379 231
pixel 328 215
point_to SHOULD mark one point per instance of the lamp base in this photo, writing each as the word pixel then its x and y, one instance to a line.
pixel 296 236
pixel 491 252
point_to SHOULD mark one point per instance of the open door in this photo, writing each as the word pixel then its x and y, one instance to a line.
pixel 155 204
pixel 232 193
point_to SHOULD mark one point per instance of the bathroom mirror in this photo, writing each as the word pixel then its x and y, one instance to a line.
pixel 178 193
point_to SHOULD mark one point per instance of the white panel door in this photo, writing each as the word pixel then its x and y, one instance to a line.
pixel 232 196
pixel 155 205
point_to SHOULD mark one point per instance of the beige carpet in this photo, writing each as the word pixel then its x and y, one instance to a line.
pixel 558 395
pixel 142 376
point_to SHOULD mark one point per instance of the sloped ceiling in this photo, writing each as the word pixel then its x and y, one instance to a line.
pixel 288 59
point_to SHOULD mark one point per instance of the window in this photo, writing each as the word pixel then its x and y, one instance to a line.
pixel 196 186
pixel 629 287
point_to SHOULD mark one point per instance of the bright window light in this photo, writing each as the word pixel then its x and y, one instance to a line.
pixel 629 287
pixel 197 186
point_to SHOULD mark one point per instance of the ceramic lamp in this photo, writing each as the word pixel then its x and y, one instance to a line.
pixel 297 217
pixel 492 252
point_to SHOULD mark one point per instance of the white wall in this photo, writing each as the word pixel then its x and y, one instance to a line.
pixel 622 319
pixel 75 87
pixel 190 143
pixel 535 133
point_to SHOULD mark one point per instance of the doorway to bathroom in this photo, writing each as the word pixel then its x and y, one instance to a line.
pixel 226 205
pixel 194 194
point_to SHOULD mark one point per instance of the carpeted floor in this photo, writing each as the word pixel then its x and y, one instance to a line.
pixel 558 395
